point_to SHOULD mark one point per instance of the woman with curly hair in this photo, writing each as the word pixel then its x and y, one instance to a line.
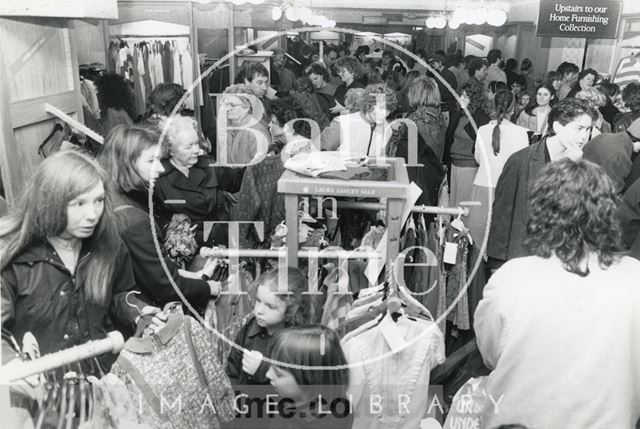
pixel 564 319
pixel 463 165
pixel 587 78
pixel 347 68
pixel 116 101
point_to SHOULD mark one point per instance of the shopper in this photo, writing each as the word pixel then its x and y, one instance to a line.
pixel 364 133
pixel 425 113
pixel 189 185
pixel 563 320
pixel 631 101
pixel 526 68
pixel 116 102
pixel 463 164
pixel 613 94
pixel 554 79
pixel 596 99
pixel 315 398
pixel 477 71
pixel 586 79
pixel 569 124
pixel 495 143
pixel 294 136
pixel 534 117
pixel 494 70
pixel 65 272
pixel 247 136
pixel 130 158
pixel 346 68
pixel 569 72
pixel 277 306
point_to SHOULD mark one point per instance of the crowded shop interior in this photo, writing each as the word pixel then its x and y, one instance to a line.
pixel 291 214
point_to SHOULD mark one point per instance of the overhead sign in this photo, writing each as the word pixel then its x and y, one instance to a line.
pixel 579 18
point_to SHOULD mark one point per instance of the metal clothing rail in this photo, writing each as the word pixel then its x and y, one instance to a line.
pixel 73 123
pixel 206 252
pixel 113 343
pixel 455 211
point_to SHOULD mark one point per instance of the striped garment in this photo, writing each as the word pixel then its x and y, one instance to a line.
pixel 628 71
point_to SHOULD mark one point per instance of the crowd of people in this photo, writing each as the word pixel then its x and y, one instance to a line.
pixel 551 165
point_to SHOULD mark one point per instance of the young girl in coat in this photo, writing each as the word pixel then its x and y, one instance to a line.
pixel 309 397
pixel 279 304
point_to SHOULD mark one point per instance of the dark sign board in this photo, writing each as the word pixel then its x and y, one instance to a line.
pixel 579 18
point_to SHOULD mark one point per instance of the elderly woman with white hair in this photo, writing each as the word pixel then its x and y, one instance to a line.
pixel 189 184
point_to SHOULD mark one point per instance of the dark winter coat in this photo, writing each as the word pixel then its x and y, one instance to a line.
pixel 132 215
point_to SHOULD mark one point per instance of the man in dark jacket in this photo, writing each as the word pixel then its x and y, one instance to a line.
pixel 448 97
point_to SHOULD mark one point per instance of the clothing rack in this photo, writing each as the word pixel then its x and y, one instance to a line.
pixel 454 211
pixel 146 36
pixel 206 252
pixel 113 343
pixel 73 123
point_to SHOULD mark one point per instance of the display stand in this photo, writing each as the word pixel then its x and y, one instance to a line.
pixel 395 189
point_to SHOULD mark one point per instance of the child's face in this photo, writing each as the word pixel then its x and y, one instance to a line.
pixel 285 383
pixel 270 308
pixel 524 100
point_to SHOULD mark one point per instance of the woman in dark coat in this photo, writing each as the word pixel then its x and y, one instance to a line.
pixel 129 155
pixel 65 273
pixel 190 184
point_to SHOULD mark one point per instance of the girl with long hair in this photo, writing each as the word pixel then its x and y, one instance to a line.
pixel 534 116
pixel 130 158
pixel 65 272
pixel 316 398
pixel 495 143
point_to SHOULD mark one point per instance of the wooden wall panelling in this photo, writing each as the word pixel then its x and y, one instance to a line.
pixel 9 158
pixel 39 65
pixel 175 12
pixel 90 41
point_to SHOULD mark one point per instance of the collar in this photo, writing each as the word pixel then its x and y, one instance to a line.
pixel 44 252
pixel 254 329
pixel 138 199
pixel 145 345
pixel 197 174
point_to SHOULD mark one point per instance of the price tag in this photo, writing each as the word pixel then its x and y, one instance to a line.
pixel 450 252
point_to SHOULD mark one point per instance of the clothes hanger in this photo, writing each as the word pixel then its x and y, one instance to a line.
pixel 62 409
pixel 72 381
pixel 82 393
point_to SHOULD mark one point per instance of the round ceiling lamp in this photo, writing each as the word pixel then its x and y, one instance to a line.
pixel 276 13
pixel 479 16
pixel 496 17
pixel 304 14
pixel 291 13
pixel 454 24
